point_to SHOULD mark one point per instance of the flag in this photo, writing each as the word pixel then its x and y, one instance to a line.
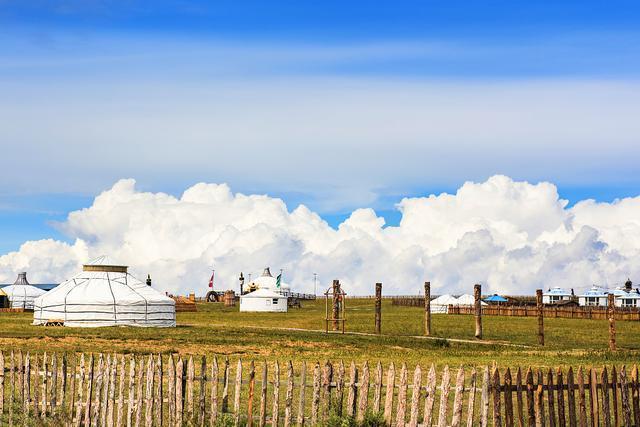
pixel 211 280
pixel 278 280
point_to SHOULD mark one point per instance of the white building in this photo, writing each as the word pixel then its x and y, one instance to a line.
pixel 263 300
pixel 555 295
pixel 21 294
pixel 626 298
pixel 594 297
pixel 104 294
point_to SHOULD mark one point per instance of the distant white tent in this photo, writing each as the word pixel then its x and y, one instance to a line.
pixel 467 299
pixel 441 304
pixel 104 294
pixel 263 300
pixel 21 294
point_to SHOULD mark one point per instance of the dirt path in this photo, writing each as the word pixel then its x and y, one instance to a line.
pixel 368 334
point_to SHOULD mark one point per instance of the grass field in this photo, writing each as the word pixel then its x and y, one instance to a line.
pixel 225 331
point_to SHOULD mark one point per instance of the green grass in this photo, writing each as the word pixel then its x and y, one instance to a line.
pixel 218 330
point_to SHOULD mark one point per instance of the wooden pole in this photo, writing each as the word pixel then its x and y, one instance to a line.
pixel 378 307
pixel 477 291
pixel 427 308
pixel 540 313
pixel 336 307
pixel 611 312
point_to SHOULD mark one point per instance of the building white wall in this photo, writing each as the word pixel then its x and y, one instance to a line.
pixel 263 304
pixel 550 299
pixel 627 302
pixel 600 301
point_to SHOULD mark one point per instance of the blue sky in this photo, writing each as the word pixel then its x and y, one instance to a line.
pixel 337 105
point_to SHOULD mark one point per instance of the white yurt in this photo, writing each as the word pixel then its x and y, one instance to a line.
pixel 21 294
pixel 441 304
pixel 104 294
pixel 467 299
pixel 263 300
pixel 267 281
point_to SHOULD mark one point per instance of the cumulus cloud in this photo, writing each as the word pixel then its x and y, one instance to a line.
pixel 510 236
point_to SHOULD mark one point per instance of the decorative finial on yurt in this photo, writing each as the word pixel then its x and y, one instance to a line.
pixel 22 279
pixel 266 272
pixel 148 280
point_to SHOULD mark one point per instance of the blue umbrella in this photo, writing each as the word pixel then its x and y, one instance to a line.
pixel 496 298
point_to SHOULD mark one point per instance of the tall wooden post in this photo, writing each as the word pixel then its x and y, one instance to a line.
pixel 378 307
pixel 427 308
pixel 540 313
pixel 611 312
pixel 477 292
pixel 336 305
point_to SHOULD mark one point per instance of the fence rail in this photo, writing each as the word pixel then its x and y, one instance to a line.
pixel 600 313
pixel 153 390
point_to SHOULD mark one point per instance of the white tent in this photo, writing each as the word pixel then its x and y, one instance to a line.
pixel 21 294
pixel 467 299
pixel 104 294
pixel 441 304
pixel 263 300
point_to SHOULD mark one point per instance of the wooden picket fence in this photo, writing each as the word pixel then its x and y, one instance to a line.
pixel 154 390
pixel 596 313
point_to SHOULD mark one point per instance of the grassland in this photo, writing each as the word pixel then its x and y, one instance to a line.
pixel 218 330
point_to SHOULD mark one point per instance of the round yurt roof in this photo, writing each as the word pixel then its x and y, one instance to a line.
pixel 445 299
pixel 105 294
pixel 467 299
pixel 267 281
pixel 21 294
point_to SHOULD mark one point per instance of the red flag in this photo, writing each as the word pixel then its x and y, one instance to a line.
pixel 211 280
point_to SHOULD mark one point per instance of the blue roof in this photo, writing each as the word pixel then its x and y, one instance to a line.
pixel 496 298
pixel 595 292
pixel 557 291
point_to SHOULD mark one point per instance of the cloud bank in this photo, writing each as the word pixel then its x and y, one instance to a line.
pixel 512 237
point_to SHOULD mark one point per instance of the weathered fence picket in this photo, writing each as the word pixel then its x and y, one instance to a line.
pixel 430 396
pixel 156 390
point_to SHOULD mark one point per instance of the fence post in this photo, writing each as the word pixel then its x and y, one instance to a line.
pixel 477 291
pixel 611 309
pixel 378 307
pixel 336 307
pixel 540 312
pixel 427 308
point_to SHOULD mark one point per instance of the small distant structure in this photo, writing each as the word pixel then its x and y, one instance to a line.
pixel 185 304
pixel 263 300
pixel 495 299
pixel 594 297
pixel 556 295
pixel 22 294
pixel 441 304
pixel 626 296
pixel 229 298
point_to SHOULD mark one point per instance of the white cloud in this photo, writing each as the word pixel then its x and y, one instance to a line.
pixel 510 236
